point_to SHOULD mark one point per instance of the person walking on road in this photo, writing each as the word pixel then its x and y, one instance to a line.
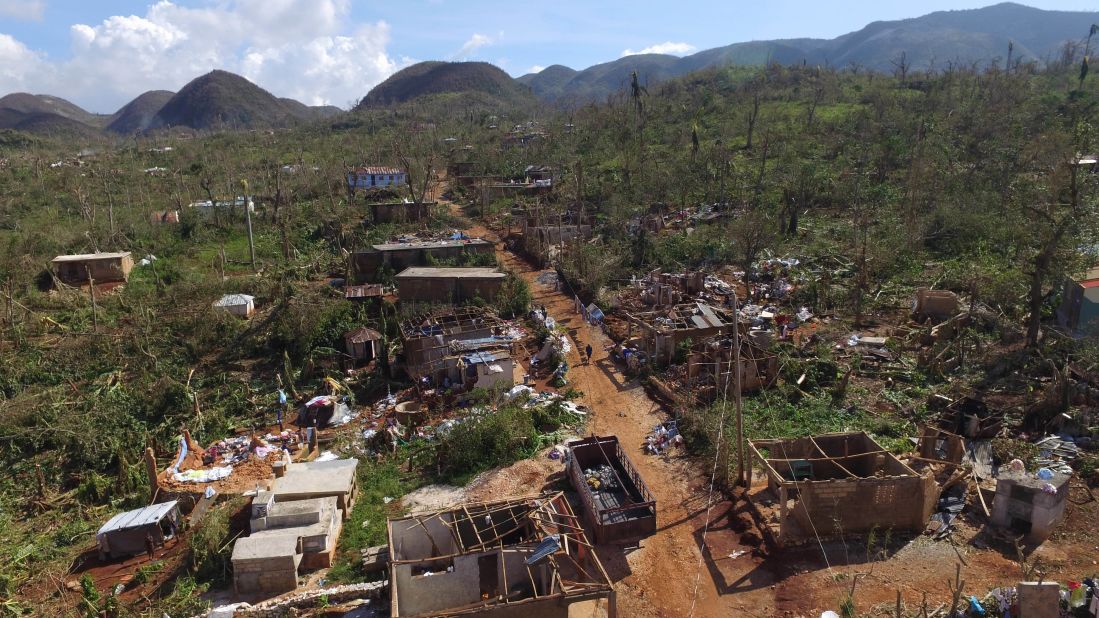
pixel 588 351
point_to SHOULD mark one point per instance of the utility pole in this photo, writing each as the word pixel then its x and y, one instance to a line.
pixel 736 393
pixel 91 293
pixel 248 218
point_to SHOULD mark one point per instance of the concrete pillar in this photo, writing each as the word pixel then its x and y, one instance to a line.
pixel 783 497
pixel 1039 599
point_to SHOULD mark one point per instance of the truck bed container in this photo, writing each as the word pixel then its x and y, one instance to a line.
pixel 625 512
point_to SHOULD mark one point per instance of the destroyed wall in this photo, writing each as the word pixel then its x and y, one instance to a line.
pixel 439 589
pixel 758 368
pixel 421 350
pixel 1022 505
pixel 845 506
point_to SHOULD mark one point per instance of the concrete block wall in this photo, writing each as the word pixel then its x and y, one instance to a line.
pixel 265 582
pixel 859 505
pixel 1039 600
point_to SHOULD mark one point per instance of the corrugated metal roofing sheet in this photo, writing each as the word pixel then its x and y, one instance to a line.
pixel 137 517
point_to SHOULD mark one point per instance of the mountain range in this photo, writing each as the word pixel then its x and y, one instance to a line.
pixel 931 41
pixel 216 100
pixel 222 100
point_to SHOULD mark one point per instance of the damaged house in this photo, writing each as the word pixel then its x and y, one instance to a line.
pixel 710 367
pixel 662 289
pixel 467 347
pixel 525 557
pixel 841 483
pixel 661 332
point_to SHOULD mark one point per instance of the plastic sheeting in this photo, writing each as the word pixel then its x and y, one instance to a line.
pixel 208 475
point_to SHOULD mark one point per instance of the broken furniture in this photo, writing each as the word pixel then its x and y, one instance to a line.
pixel 841 483
pixel 969 417
pixel 323 411
pixel 127 534
pixel 618 510
pixel 516 557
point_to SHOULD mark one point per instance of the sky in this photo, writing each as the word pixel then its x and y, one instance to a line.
pixel 100 54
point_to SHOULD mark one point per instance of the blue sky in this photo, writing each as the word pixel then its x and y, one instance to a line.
pixel 100 54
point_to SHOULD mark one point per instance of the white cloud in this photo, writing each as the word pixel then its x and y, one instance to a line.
pixel 19 66
pixel 536 69
pixel 667 47
pixel 293 48
pixel 470 47
pixel 23 9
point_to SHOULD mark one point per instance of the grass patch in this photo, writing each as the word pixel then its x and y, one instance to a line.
pixel 366 527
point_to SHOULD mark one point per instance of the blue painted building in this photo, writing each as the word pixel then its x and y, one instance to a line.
pixel 376 176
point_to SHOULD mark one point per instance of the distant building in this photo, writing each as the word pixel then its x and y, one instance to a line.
pixel 448 285
pixel 237 202
pixel 103 267
pixel 1079 310
pixel 240 305
pixel 374 176
pixel 539 173
pixel 164 216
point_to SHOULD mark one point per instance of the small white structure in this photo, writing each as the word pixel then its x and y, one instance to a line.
pixel 127 534
pixel 240 305
pixel 237 202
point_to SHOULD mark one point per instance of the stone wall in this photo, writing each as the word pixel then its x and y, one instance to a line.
pixel 283 606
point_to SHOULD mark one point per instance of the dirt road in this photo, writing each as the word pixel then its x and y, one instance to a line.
pixel 665 575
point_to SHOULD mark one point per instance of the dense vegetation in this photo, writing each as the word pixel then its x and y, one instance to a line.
pixel 958 179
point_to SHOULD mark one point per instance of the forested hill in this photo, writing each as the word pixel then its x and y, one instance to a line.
pixel 936 41
pixel 448 78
